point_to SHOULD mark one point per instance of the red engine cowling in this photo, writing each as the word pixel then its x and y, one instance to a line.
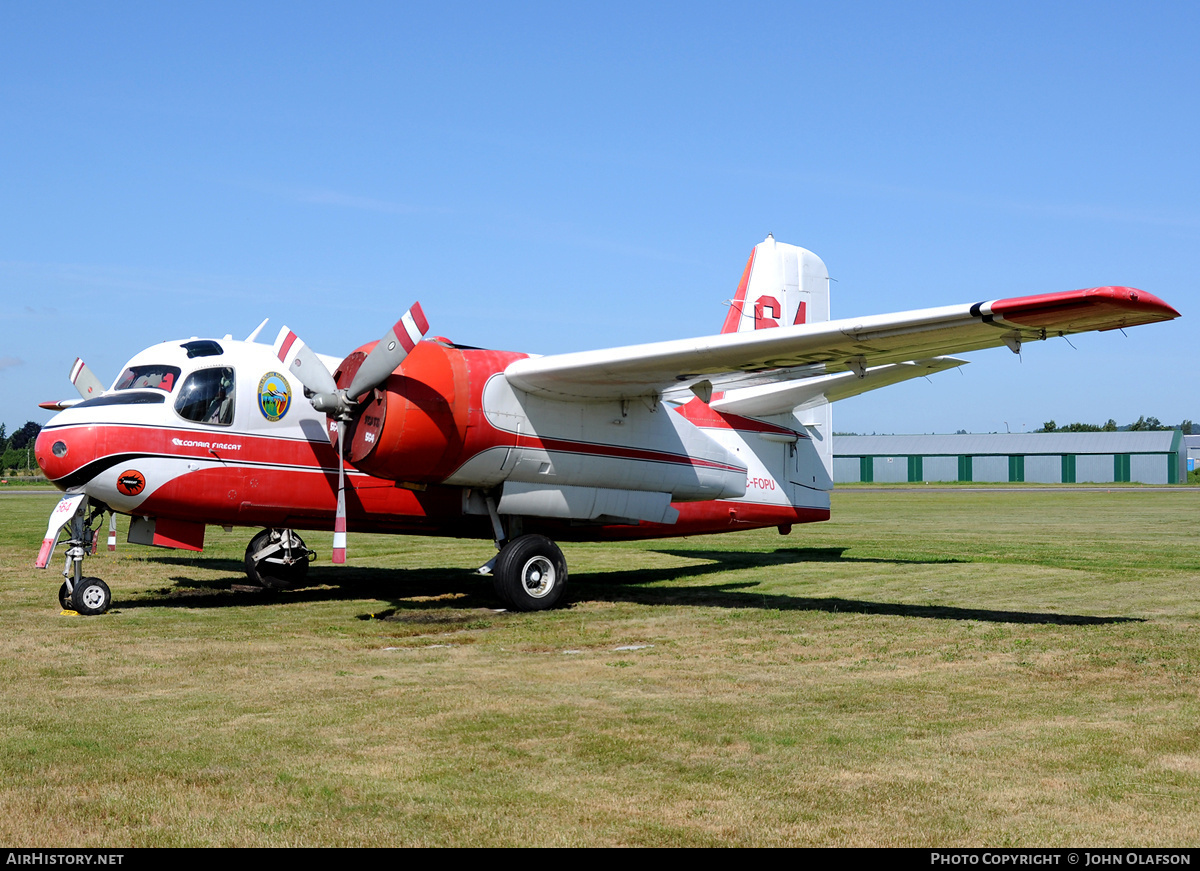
pixel 412 428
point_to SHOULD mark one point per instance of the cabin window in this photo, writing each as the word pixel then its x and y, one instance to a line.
pixel 207 396
pixel 140 377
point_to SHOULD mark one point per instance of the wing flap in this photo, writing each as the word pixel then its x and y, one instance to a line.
pixel 782 398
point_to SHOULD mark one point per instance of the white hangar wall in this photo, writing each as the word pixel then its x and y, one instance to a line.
pixel 1048 458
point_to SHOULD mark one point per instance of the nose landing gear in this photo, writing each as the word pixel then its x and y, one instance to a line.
pixel 85 595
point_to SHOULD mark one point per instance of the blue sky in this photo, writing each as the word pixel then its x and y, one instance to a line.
pixel 556 177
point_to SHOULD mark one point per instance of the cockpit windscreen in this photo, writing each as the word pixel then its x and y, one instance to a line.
pixel 140 377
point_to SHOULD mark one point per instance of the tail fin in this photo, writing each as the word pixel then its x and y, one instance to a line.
pixel 783 284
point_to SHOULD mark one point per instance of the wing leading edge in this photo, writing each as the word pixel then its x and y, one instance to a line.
pixel 846 345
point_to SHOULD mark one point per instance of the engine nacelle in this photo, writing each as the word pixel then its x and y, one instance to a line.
pixel 412 429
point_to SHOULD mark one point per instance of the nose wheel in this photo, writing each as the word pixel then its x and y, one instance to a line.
pixel 90 596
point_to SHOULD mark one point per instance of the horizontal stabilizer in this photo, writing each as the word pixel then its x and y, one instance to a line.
pixel 782 398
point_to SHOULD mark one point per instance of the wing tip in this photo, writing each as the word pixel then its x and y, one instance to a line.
pixel 1092 308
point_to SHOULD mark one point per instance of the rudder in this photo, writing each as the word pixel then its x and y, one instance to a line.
pixel 782 284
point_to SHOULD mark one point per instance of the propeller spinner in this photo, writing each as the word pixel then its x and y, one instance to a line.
pixel 340 404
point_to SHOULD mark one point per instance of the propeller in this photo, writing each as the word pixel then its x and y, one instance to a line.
pixel 85 380
pixel 340 404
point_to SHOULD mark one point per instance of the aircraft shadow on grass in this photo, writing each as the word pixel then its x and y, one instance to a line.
pixel 428 589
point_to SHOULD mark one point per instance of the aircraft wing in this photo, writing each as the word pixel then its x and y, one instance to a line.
pixel 846 345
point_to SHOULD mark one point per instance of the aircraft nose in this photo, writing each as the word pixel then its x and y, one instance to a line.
pixel 62 452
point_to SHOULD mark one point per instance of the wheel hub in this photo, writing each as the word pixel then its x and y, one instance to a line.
pixel 93 597
pixel 538 577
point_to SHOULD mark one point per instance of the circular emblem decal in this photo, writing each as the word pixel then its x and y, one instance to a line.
pixel 274 396
pixel 131 482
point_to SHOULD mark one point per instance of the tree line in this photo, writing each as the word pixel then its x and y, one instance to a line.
pixel 17 449
pixel 1142 424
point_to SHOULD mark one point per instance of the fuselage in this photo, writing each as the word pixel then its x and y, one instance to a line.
pixel 218 432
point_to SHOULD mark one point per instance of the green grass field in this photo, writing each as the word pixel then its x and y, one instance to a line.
pixel 963 668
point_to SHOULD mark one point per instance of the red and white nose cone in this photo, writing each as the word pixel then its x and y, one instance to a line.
pixel 60 452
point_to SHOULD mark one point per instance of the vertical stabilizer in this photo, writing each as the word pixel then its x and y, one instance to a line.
pixel 784 285
pixel 781 285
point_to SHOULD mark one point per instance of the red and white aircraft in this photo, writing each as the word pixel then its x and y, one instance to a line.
pixel 419 435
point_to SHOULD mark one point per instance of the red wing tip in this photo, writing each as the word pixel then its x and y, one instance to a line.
pixel 1126 299
pixel 1134 297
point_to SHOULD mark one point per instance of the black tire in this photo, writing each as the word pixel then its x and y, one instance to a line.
pixel 91 596
pixel 272 576
pixel 530 574
pixel 64 597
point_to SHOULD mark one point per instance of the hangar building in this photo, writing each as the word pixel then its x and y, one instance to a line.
pixel 1050 458
pixel 1191 444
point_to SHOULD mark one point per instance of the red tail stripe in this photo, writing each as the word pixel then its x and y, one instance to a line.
pixel 734 315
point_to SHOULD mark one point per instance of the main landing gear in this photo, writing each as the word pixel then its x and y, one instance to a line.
pixel 277 559
pixel 530 573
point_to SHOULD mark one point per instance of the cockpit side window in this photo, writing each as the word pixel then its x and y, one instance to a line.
pixel 139 377
pixel 207 396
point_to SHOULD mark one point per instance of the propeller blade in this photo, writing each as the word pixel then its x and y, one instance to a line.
pixel 112 531
pixel 257 330
pixel 390 352
pixel 85 380
pixel 339 521
pixel 303 363
pixel 375 369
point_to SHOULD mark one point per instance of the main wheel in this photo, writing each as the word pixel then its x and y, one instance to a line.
pixel 530 574
pixel 64 597
pixel 91 596
pixel 272 575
